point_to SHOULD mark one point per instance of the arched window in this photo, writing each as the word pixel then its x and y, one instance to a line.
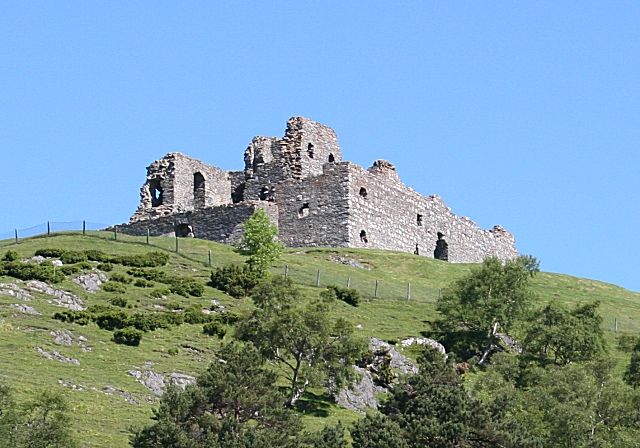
pixel 363 192
pixel 363 237
pixel 331 158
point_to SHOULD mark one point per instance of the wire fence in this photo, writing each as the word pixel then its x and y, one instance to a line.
pixel 366 284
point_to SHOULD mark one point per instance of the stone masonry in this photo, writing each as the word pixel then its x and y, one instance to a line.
pixel 312 195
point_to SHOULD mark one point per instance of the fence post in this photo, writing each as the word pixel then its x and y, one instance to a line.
pixel 286 271
pixel 16 236
pixel 84 228
pixel 48 228
pixel 209 257
pixel 318 279
pixel 409 291
pixel 375 292
pixel 615 325
pixel 349 282
pixel 115 233
pixel 177 248
pixel 147 235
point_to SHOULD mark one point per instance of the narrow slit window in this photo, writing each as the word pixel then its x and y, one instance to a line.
pixel 419 220
pixel 310 150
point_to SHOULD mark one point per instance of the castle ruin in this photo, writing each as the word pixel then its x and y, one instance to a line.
pixel 312 195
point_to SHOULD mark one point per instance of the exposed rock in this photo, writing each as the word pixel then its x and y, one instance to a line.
pixel 57 263
pixel 349 262
pixel 61 337
pixel 181 380
pixel 57 356
pixel 361 394
pixel 399 362
pixel 14 290
pixel 110 390
pixel 510 342
pixel 149 379
pixel 156 382
pixel 217 307
pixel 424 341
pixel 62 298
pixel 37 259
pixel 25 309
pixel 91 281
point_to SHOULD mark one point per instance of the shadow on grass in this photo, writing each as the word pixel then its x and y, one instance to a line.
pixel 316 405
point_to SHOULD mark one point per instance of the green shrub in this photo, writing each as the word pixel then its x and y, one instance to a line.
pixel 186 286
pixel 173 305
pixel 151 321
pixel 148 274
pixel 112 320
pixel 142 283
pixel 69 269
pixel 214 328
pixel 194 315
pixel 118 301
pixel 66 256
pixel 11 255
pixel 235 280
pixel 31 271
pixel 49 253
pixel 127 336
pixel 159 293
pixel 112 286
pixel 120 278
pixel 173 351
pixel 98 255
pixel 347 295
pixel 148 260
pixel 106 267
pixel 76 317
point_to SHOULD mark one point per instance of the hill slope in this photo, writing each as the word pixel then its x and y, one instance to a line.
pixel 106 398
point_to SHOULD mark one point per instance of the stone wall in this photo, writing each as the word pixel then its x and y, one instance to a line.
pixel 395 217
pixel 220 223
pixel 315 211
pixel 178 183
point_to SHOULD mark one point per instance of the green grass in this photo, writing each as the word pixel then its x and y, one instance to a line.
pixel 102 420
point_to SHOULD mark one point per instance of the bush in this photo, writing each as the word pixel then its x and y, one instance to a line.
pixel 347 295
pixel 127 336
pixel 112 320
pixel 237 281
pixel 11 255
pixel 76 317
pixel 159 293
pixel 66 256
pixel 142 283
pixel 194 315
pixel 120 278
pixel 30 271
pixel 112 286
pixel 186 287
pixel 106 267
pixel 148 260
pixel 214 328
pixel 148 274
pixel 118 301
pixel 69 269
pixel 151 321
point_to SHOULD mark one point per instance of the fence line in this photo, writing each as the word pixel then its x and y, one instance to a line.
pixel 367 285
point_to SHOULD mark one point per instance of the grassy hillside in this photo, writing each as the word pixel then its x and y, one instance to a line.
pixel 400 306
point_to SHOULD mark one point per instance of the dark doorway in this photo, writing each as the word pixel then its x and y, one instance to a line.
pixel 199 195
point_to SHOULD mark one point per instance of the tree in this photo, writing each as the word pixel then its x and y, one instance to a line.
pixel 565 336
pixel 492 298
pixel 234 404
pixel 429 409
pixel 300 338
pixel 45 423
pixel 632 373
pixel 530 263
pixel 259 242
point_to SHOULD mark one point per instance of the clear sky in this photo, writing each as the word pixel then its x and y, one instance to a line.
pixel 524 114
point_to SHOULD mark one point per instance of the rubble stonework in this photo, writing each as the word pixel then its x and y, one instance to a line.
pixel 312 195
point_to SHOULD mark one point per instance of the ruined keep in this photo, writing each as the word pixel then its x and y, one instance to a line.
pixel 313 196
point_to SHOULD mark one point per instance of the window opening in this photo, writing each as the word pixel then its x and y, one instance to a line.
pixel 156 193
pixel 303 211
pixel 310 150
pixel 199 196
pixel 363 237
pixel 419 220
pixel 442 249
pixel 264 193
pixel 184 231
pixel 363 192
pixel 331 158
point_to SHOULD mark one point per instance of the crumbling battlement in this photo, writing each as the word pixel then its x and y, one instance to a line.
pixel 314 197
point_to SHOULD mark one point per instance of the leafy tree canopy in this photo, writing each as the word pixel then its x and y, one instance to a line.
pixel 259 242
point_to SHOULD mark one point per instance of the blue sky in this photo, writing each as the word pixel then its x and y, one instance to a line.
pixel 524 114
